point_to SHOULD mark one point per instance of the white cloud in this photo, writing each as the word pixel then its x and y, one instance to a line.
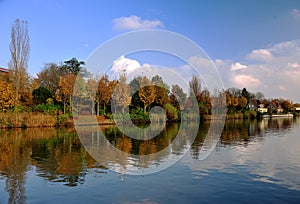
pixel 292 75
pixel 247 81
pixel 237 66
pixel 293 65
pixel 124 65
pixel 260 54
pixel 276 77
pixel 219 62
pixel 135 23
pixel 295 13
pixel 285 48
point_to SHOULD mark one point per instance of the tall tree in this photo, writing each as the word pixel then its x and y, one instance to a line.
pixel 73 66
pixel 91 87
pixel 259 96
pixel 177 97
pixel 146 92
pixel 122 94
pixel 161 91
pixel 245 93
pixel 64 92
pixel 49 77
pixel 105 91
pixel 195 86
pixel 19 49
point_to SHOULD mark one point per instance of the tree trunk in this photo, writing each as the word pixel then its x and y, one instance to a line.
pixel 70 99
pixel 92 106
pixel 64 107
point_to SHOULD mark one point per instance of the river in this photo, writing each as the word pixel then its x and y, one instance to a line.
pixel 253 162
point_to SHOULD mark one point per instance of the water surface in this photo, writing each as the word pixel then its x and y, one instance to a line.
pixel 254 162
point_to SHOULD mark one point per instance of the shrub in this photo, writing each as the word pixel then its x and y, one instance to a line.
pixel 172 112
pixel 61 119
pixel 47 108
pixel 138 116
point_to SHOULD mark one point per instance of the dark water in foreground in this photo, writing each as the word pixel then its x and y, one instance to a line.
pixel 254 162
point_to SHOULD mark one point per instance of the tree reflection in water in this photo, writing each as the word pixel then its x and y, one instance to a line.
pixel 57 155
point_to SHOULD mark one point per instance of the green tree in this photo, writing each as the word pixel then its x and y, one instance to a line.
pixel 245 93
pixel 41 95
pixel 73 66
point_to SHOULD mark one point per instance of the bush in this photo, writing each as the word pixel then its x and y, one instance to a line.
pixel 138 116
pixel 61 119
pixel 172 113
pixel 47 108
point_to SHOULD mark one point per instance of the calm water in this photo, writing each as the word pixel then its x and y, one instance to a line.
pixel 254 162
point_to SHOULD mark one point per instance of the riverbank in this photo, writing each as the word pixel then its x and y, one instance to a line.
pixel 32 120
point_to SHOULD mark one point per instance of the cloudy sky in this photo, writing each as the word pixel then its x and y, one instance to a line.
pixel 254 44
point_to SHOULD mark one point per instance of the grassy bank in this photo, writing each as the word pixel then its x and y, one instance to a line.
pixel 36 119
pixel 24 120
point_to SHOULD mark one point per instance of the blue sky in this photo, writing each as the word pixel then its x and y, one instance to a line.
pixel 253 43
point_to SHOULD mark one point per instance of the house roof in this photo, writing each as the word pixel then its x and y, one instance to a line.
pixel 3 70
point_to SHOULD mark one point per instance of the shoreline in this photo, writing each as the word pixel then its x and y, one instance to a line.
pixel 39 120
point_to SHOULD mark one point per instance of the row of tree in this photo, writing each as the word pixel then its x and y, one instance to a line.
pixel 53 89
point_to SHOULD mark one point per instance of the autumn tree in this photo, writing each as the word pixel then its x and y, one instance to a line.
pixel 6 93
pixel 49 77
pixel 105 91
pixel 65 90
pixel 235 103
pixel 286 105
pixel 161 91
pixel 91 87
pixel 19 50
pixel 242 101
pixel 122 94
pixel 79 98
pixel 146 92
